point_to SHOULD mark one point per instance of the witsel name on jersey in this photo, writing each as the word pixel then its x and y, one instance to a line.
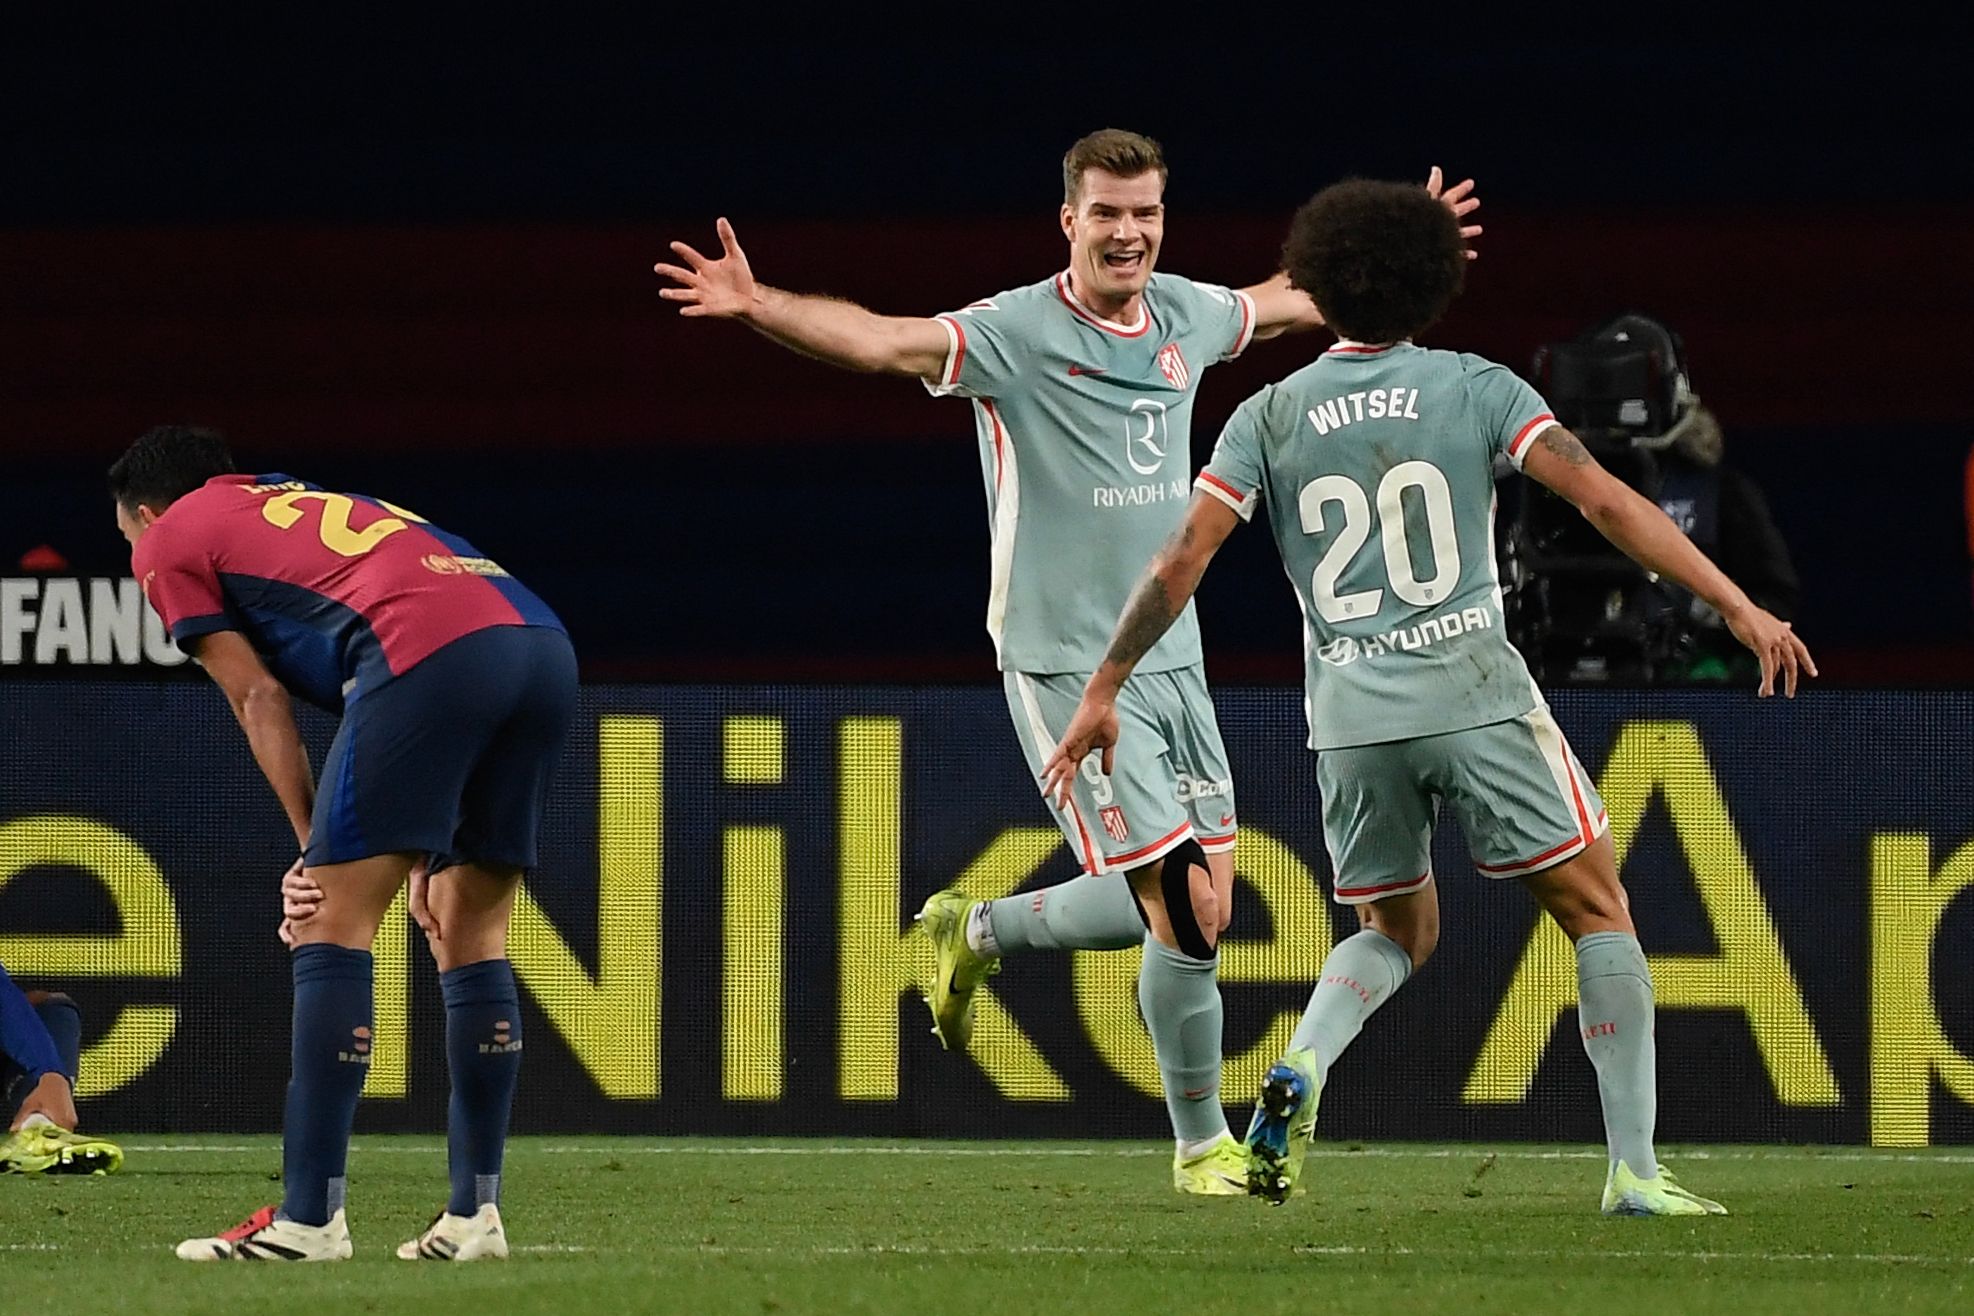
pixel 1374 404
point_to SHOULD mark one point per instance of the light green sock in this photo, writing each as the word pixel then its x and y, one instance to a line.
pixel 1085 913
pixel 1614 1011
pixel 1180 1000
pixel 1361 974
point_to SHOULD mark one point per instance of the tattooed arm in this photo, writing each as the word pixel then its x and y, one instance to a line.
pixel 1648 537
pixel 1161 596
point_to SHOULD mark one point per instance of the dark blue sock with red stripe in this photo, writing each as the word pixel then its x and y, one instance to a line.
pixel 483 1050
pixel 331 1058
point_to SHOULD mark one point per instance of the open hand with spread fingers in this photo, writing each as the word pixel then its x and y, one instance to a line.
pixel 722 287
pixel 1459 199
pixel 1093 727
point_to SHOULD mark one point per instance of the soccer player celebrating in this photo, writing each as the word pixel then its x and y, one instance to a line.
pixel 1378 461
pixel 456 687
pixel 40 1050
pixel 1082 385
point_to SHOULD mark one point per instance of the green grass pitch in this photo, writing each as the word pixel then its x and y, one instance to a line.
pixel 604 1227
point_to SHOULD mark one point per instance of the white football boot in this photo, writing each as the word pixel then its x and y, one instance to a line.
pixel 476 1237
pixel 263 1237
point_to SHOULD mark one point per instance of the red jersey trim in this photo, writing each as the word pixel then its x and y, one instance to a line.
pixel 1068 295
pixel 1150 852
pixel 1359 895
pixel 1222 486
pixel 956 351
pixel 1518 446
pixel 1000 440
pixel 1246 334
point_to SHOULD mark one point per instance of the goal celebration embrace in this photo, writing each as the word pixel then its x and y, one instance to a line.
pixel 1460 801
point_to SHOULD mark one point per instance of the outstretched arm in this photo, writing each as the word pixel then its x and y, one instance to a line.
pixel 1159 599
pixel 1648 537
pixel 839 332
pixel 1282 309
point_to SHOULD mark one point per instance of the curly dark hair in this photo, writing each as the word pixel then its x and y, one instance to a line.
pixel 1382 261
pixel 166 463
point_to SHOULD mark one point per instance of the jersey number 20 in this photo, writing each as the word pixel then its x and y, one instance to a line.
pixel 1400 570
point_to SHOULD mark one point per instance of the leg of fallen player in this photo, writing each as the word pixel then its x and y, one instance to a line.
pixel 1614 1009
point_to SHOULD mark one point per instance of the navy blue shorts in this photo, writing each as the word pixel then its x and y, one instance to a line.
pixel 452 758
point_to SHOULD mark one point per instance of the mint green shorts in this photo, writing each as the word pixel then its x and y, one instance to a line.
pixel 1169 778
pixel 1520 795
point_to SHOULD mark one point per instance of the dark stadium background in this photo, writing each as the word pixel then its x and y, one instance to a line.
pixel 423 271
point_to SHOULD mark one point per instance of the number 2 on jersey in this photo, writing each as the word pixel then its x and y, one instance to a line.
pixel 284 511
pixel 1400 570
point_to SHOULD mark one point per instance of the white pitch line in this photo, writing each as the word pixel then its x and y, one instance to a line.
pixel 1099 1250
pixel 888 1149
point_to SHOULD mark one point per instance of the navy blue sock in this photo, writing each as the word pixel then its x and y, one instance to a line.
pixel 64 1024
pixel 483 1050
pixel 331 1057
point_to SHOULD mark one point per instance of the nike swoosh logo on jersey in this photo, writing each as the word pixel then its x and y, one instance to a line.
pixel 1226 820
pixel 1086 370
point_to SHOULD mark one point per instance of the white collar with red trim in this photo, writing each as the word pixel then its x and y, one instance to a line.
pixel 1350 347
pixel 1077 305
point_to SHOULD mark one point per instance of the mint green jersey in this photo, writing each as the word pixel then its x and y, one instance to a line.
pixel 1085 430
pixel 1377 465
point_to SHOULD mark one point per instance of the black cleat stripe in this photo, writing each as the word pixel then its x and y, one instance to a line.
pixel 252 1248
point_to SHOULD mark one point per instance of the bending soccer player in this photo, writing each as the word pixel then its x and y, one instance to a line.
pixel 456 687
pixel 1378 461
pixel 1083 386
pixel 40 1053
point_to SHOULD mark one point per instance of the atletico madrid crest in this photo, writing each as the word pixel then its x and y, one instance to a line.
pixel 1114 822
pixel 1172 364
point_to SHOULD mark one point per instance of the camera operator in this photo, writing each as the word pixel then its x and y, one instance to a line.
pixel 1580 612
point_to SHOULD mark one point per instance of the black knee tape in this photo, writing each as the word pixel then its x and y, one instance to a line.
pixel 1175 882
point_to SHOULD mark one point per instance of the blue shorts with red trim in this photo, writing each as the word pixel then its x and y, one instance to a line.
pixel 1520 795
pixel 451 759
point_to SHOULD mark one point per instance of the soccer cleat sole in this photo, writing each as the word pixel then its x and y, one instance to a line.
pixel 1283 1092
pixel 58 1152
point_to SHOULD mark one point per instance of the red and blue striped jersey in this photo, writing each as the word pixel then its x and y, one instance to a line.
pixel 337 592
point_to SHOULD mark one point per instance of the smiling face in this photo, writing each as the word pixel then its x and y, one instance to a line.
pixel 1114 227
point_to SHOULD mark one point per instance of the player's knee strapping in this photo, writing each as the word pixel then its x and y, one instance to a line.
pixel 1176 885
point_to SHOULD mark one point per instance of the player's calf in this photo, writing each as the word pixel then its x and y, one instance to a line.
pixel 1179 996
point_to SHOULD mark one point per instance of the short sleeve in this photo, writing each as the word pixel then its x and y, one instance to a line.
pixel 1234 473
pixel 984 352
pixel 1226 319
pixel 179 580
pixel 1510 413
